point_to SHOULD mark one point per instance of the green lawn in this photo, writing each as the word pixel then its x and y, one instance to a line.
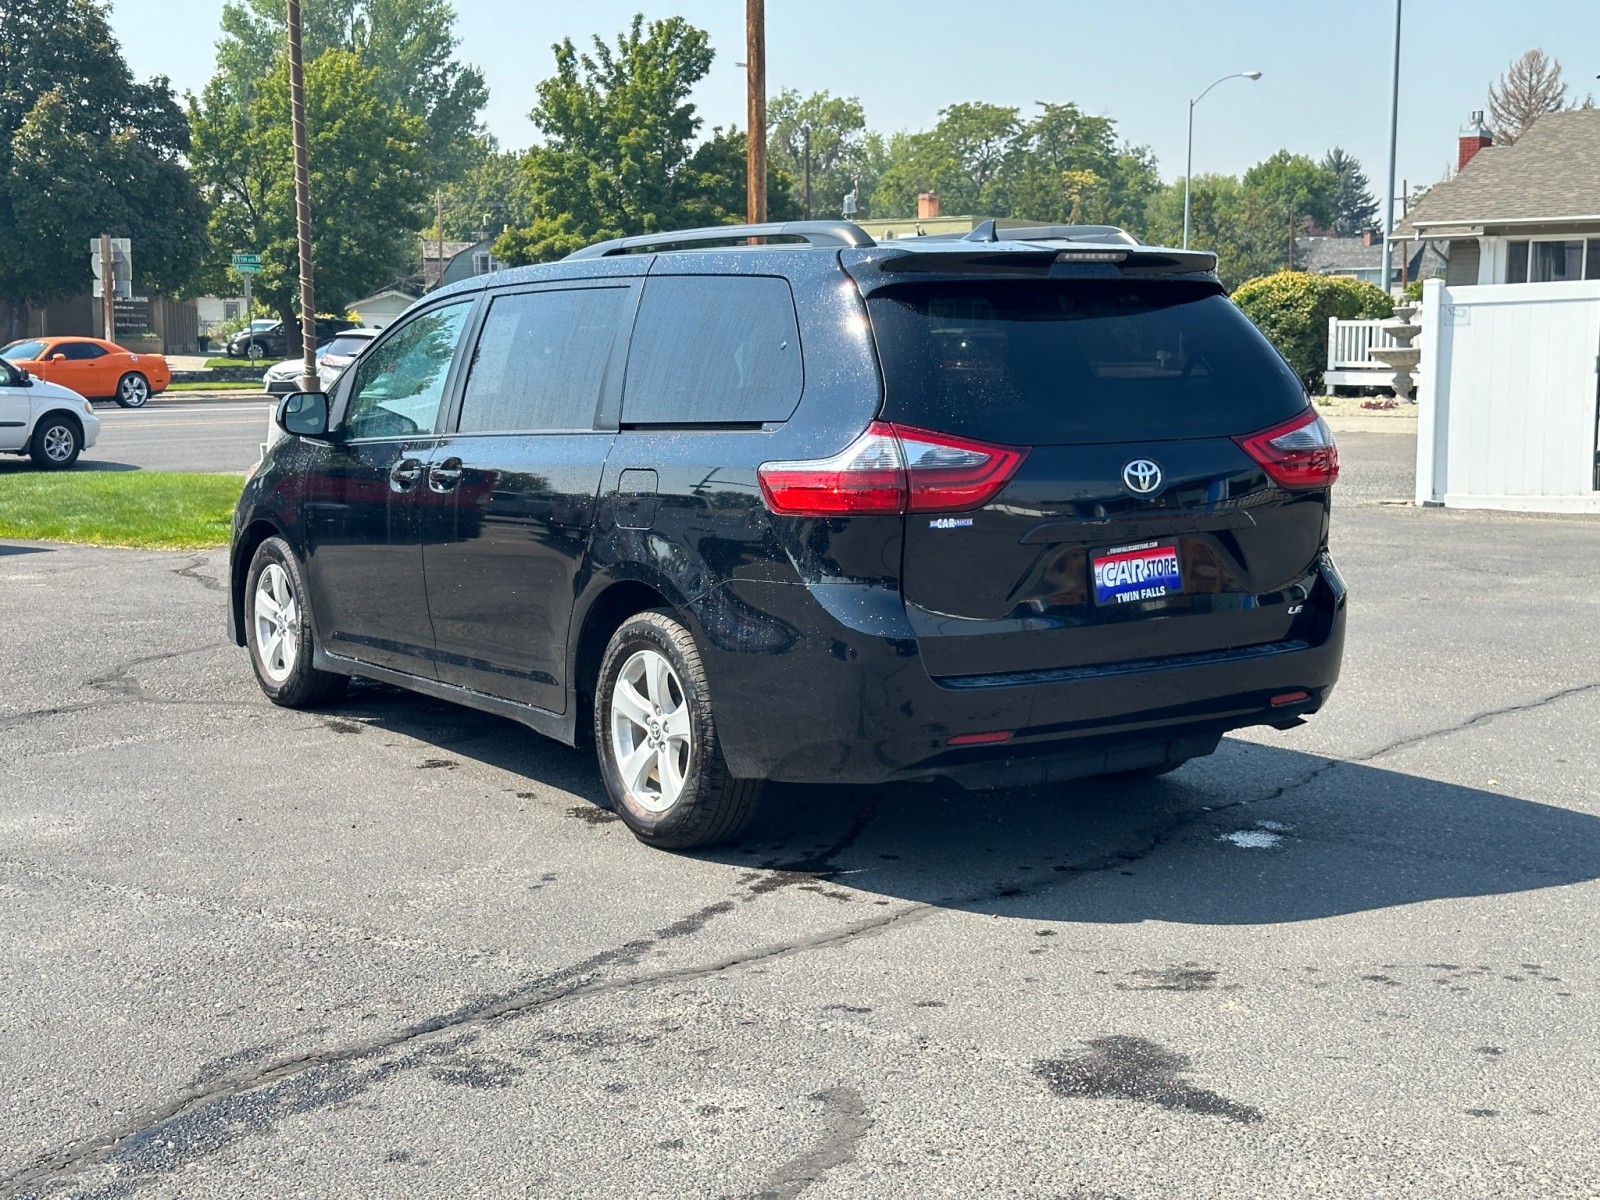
pixel 219 363
pixel 221 385
pixel 152 510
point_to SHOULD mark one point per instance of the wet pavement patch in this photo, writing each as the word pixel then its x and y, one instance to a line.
pixel 591 815
pixel 1133 1068
pixel 1190 977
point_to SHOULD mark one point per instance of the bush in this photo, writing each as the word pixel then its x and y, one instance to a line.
pixel 1292 308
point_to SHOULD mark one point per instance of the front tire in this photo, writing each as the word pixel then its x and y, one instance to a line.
pixel 57 442
pixel 278 631
pixel 133 390
pixel 657 741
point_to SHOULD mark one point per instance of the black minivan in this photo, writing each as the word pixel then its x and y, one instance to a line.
pixel 779 502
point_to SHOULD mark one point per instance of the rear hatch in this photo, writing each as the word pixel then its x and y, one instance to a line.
pixel 1140 523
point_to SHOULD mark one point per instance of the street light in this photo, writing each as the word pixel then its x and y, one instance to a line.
pixel 1188 171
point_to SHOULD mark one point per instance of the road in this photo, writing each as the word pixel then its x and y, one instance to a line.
pixel 398 948
pixel 182 434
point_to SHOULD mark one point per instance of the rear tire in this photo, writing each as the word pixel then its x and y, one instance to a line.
pixel 133 390
pixel 656 740
pixel 278 631
pixel 57 442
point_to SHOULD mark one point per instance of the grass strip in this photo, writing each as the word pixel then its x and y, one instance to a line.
pixel 216 364
pixel 150 510
pixel 221 385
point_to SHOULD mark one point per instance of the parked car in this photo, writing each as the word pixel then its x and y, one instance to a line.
pixel 1023 507
pixel 271 342
pixel 92 367
pixel 50 423
pixel 334 357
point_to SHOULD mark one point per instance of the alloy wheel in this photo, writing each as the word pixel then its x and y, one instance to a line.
pixel 277 619
pixel 59 443
pixel 135 391
pixel 651 739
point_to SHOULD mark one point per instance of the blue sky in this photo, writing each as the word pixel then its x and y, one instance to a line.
pixel 1326 65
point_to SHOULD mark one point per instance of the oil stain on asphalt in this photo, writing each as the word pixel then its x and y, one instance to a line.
pixel 1133 1068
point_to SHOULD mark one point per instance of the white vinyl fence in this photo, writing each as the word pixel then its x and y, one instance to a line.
pixel 1509 397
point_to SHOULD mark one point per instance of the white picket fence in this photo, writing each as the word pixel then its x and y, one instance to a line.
pixel 1350 361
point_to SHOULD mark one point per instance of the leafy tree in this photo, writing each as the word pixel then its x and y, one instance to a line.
pixel 619 155
pixel 1530 88
pixel 366 173
pixel 1294 188
pixel 1353 206
pixel 409 45
pixel 84 149
pixel 493 193
pixel 841 152
pixel 961 158
pixel 1067 166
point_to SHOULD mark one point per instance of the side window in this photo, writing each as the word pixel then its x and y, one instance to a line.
pixel 540 360
pixel 399 383
pixel 713 350
pixel 80 351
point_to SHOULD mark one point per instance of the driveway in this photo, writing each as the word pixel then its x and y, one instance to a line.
pixel 397 948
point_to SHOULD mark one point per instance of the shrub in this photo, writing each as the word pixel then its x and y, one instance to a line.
pixel 1292 308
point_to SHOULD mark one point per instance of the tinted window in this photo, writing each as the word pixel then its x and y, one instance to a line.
pixel 540 360
pixel 75 351
pixel 22 351
pixel 400 381
pixel 344 346
pixel 709 350
pixel 1036 363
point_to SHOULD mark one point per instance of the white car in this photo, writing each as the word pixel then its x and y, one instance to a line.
pixel 333 357
pixel 50 423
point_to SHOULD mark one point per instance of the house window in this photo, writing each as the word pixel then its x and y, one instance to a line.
pixel 1591 269
pixel 1550 261
pixel 230 310
pixel 484 263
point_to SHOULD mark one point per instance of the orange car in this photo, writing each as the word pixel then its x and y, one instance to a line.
pixel 92 367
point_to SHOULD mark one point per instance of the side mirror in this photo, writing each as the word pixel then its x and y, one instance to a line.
pixel 58 358
pixel 23 377
pixel 304 414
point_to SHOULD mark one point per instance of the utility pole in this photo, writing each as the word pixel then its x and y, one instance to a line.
pixel 805 133
pixel 755 22
pixel 302 205
pixel 1394 134
pixel 108 289
pixel 438 231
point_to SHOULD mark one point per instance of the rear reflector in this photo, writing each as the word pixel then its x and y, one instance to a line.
pixel 1300 453
pixel 892 469
pixel 979 739
pixel 1280 700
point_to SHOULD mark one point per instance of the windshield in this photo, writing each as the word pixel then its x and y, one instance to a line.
pixel 345 347
pixel 1037 363
pixel 22 351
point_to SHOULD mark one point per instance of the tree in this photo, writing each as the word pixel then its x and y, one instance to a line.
pixel 840 148
pixel 1225 218
pixel 1292 308
pixel 1294 188
pixel 409 45
pixel 1530 88
pixel 961 158
pixel 367 162
pixel 1066 166
pixel 620 156
pixel 493 193
pixel 1353 206
pixel 84 149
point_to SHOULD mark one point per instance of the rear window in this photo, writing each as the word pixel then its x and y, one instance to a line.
pixel 713 350
pixel 345 347
pixel 1041 363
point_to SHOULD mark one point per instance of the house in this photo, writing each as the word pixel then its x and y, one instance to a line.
pixel 1362 258
pixel 462 260
pixel 383 306
pixel 1524 213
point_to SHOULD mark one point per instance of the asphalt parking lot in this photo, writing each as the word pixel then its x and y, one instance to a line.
pixel 398 948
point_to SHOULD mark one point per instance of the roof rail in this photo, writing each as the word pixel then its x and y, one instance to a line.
pixel 989 232
pixel 815 233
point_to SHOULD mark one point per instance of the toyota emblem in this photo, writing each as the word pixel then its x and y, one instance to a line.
pixel 1141 476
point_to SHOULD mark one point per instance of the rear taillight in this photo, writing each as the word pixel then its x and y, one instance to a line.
pixel 1300 453
pixel 892 469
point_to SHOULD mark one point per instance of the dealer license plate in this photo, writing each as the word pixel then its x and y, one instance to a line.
pixel 1127 574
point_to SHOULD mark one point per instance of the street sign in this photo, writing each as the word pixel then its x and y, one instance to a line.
pixel 247 264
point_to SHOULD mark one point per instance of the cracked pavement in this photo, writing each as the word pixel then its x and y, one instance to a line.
pixel 397 948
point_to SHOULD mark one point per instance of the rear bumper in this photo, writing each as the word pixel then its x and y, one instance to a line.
pixel 825 684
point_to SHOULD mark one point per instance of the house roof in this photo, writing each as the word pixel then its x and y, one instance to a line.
pixel 384 294
pixel 430 249
pixel 1551 173
pixel 1332 255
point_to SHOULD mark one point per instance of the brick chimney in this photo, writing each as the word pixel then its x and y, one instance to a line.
pixel 1370 237
pixel 1475 136
pixel 927 205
